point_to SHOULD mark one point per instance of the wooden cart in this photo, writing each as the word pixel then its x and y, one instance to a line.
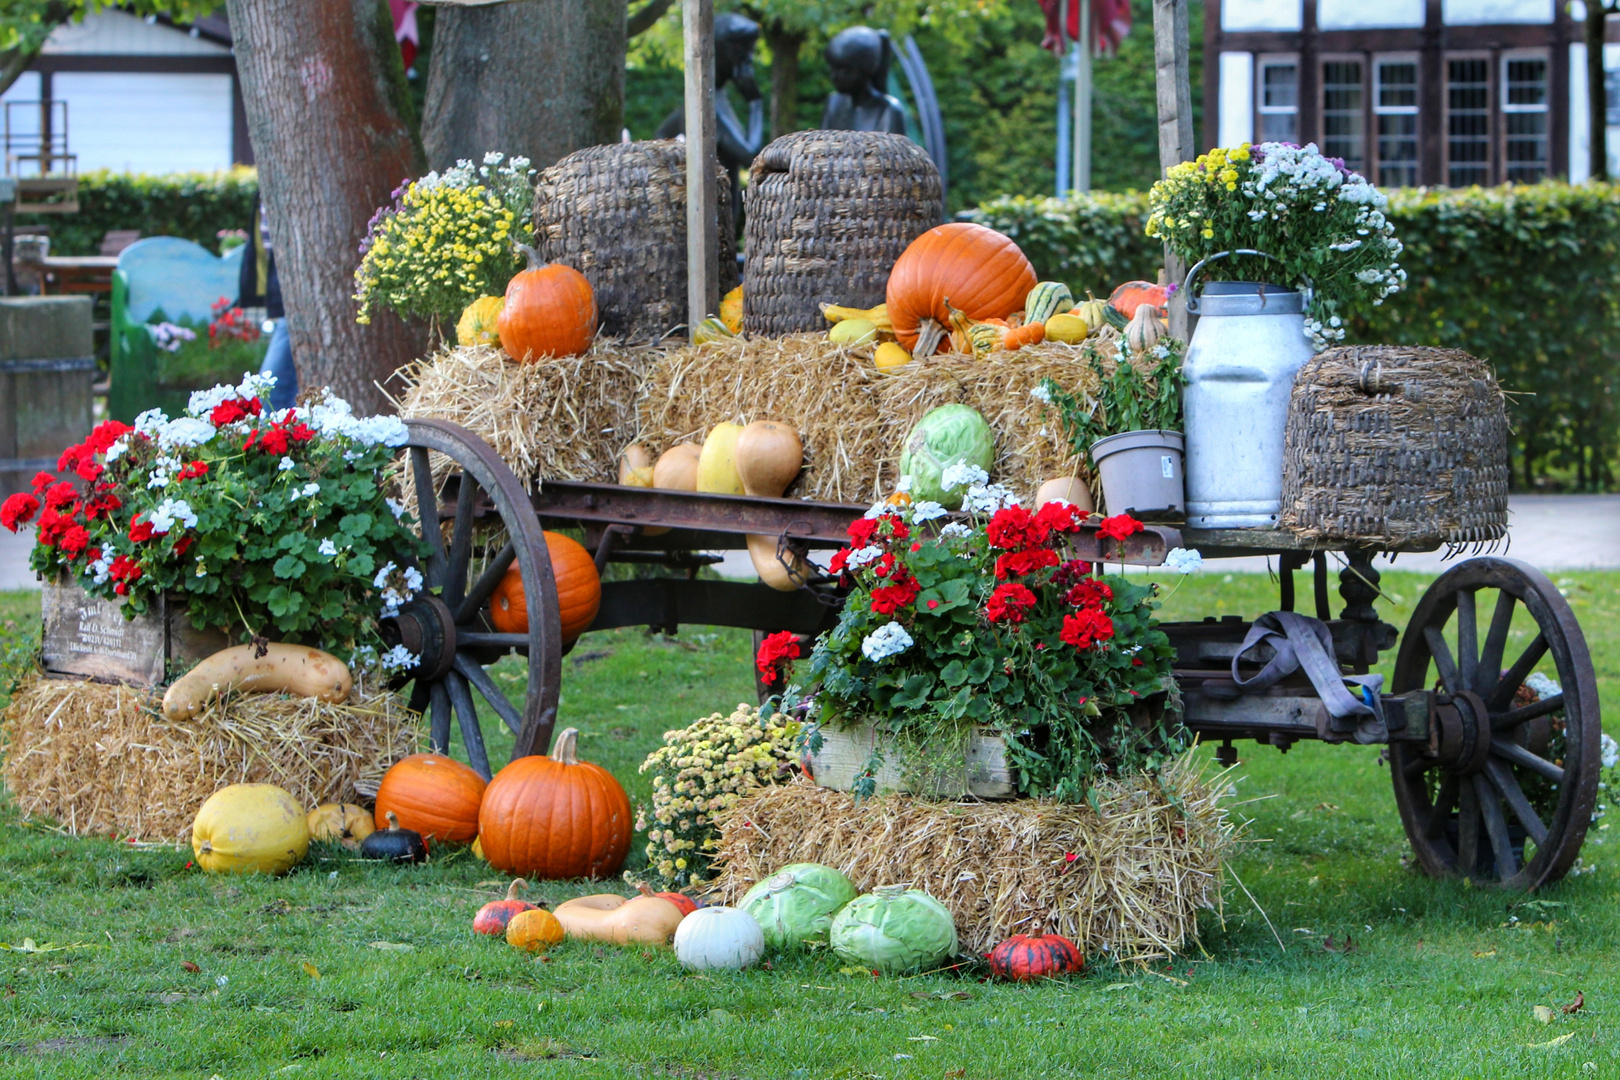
pixel 1489 785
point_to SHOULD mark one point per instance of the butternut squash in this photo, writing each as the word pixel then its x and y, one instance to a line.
pixel 769 455
pixel 676 469
pixel 640 920
pixel 292 669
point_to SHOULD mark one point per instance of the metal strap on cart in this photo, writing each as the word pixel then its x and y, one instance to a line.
pixel 1301 642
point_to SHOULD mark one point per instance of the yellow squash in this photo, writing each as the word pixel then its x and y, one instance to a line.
pixel 247 828
pixel 717 462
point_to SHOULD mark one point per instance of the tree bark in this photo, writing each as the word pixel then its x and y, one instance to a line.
pixel 643 18
pixel 1597 101
pixel 540 79
pixel 328 111
pixel 784 45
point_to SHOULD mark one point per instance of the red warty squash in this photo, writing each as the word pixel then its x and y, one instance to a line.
pixel 550 310
pixel 1027 957
pixel 680 900
pixel 1133 294
pixel 579 591
pixel 493 916
pixel 433 795
pixel 555 817
pixel 960 265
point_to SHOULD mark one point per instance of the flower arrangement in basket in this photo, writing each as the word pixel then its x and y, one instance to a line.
pixel 275 523
pixel 990 623
pixel 1322 222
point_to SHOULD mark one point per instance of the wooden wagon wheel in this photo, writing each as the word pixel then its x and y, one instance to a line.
pixel 1504 791
pixel 445 624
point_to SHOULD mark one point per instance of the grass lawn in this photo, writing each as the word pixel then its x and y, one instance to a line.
pixel 348 969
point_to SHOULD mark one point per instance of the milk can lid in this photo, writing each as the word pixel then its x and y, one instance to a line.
pixel 1245 298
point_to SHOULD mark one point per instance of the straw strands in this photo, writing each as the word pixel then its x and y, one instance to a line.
pixel 1126 879
pixel 101 757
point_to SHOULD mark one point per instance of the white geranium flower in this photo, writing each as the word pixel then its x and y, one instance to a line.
pixel 286 463
pixel 956 529
pixel 399 658
pixel 926 511
pixel 171 512
pixel 962 474
pixel 187 431
pixel 413 579
pixel 327 547
pixel 1542 686
pixel 309 491
pixel 861 556
pixel 988 498
pixel 397 509
pixel 1610 751
pixel 1041 393
pixel 888 640
pixel 903 485
pixel 382 576
pixel 1183 560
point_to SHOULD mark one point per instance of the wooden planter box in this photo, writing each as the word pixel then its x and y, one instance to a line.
pixel 985 773
pixel 86 635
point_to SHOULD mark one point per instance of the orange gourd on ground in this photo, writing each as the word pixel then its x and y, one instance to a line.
pixel 550 310
pixel 535 930
pixel 960 265
pixel 579 591
pixel 433 795
pixel 555 816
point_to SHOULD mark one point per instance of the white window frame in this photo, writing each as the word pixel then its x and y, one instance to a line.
pixel 1493 115
pixel 1506 110
pixel 1378 108
pixel 1263 61
pixel 1361 60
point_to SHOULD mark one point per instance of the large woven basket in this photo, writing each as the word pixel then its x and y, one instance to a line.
pixel 617 214
pixel 1403 447
pixel 828 214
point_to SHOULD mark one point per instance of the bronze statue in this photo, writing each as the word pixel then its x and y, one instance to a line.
pixel 734 40
pixel 858 61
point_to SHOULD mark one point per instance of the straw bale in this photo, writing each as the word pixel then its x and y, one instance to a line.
pixel 1143 863
pixel 101 757
pixel 563 418
pixel 854 419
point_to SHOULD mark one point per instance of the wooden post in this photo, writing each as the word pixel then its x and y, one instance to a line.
pixel 702 201
pixel 1082 101
pixel 1170 51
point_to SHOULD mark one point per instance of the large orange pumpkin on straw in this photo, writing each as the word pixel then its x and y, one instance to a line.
pixel 961 265
pixel 579 591
pixel 433 795
pixel 550 310
pixel 555 817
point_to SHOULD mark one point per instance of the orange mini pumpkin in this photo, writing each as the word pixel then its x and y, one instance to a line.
pixel 579 591
pixel 550 310
pixel 433 795
pixel 555 817
pixel 960 265
pixel 535 930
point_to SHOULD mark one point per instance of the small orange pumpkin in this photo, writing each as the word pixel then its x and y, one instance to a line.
pixel 579 591
pixel 433 795
pixel 960 265
pixel 550 310
pixel 555 817
pixel 535 930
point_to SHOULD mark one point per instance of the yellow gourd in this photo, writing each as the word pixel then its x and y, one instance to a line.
pixel 853 333
pixel 1067 329
pixel 535 930
pixel 640 920
pixel 717 462
pixel 247 828
pixel 477 325
pixel 635 466
pixel 1093 310
pixel 344 823
pixel 731 310
pixel 877 316
pixel 712 329
pixel 890 355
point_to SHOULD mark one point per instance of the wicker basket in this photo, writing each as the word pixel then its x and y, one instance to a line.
pixel 828 214
pixel 617 214
pixel 1403 447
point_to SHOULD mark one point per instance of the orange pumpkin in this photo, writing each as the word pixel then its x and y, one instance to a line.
pixel 433 795
pixel 1133 294
pixel 555 817
pixel 535 930
pixel 579 591
pixel 960 265
pixel 550 310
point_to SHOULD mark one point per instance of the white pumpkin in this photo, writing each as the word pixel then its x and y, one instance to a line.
pixel 719 937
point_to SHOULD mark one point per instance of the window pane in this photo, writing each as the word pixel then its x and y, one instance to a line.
pixel 1397 150
pixel 1397 85
pixel 1527 82
pixel 1468 122
pixel 1279 87
pixel 1343 123
pixel 1524 106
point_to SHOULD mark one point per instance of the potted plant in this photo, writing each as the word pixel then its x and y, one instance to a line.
pixel 958 628
pixel 1131 428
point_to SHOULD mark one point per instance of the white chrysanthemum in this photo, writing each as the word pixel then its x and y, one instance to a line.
pixel 1183 560
pixel 888 640
pixel 962 474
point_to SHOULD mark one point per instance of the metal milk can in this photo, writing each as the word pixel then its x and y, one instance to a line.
pixel 1239 370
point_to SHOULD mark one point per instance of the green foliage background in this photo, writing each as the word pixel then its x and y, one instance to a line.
pixel 190 205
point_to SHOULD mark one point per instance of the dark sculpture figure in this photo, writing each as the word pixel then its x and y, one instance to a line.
pixel 735 146
pixel 858 61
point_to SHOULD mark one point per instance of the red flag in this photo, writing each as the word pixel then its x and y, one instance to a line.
pixel 405 31
pixel 1110 22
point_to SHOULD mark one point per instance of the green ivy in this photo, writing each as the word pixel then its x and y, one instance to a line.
pixel 194 206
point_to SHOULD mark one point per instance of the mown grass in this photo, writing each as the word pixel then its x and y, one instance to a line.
pixel 1381 972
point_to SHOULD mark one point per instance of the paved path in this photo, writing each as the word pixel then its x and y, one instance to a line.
pixel 1554 532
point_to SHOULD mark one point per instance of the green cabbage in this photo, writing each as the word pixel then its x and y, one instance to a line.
pixel 946 436
pixel 797 903
pixel 894 930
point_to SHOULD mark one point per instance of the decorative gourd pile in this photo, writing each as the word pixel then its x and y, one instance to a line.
pixel 548 310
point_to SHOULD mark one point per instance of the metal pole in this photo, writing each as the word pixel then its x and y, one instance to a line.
pixel 1064 156
pixel 702 201
pixel 1082 102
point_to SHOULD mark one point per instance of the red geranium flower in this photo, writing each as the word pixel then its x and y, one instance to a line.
pixel 60 494
pixel 125 571
pixel 901 592
pixel 43 480
pixel 102 503
pixel 1059 516
pixel 1009 603
pixel 1020 563
pixel 182 545
pixel 274 441
pixel 835 565
pixel 75 540
pixel 90 470
pixel 71 457
pixel 1014 529
pixel 299 432
pixel 141 531
pixel 107 432
pixel 18 510
pixel 228 412
pixel 192 470
pixel 861 531
pixel 1119 527
pixel 53 523
pixel 1086 628
pixel 1089 593
pixel 775 651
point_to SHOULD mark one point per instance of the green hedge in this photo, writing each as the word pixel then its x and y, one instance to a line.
pixel 195 206
pixel 1525 277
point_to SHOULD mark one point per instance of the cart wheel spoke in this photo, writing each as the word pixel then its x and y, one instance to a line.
pixel 1445 801
pixel 1520 671
pixel 427 514
pixel 1441 654
pixel 1467 829
pixel 1417 767
pixel 1489 673
pixel 419 696
pixel 475 674
pixel 1503 778
pixel 1467 639
pixel 472 737
pixel 439 721
pixel 1490 806
pixel 455 580
pixel 1518 755
pixel 1545 707
pixel 484 587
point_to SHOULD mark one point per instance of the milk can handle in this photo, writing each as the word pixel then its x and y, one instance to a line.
pixel 1192 298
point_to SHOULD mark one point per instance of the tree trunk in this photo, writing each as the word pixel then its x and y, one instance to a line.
pixel 328 111
pixel 784 45
pixel 1597 101
pixel 541 78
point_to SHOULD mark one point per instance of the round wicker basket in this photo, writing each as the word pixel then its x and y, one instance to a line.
pixel 1398 446
pixel 828 214
pixel 617 214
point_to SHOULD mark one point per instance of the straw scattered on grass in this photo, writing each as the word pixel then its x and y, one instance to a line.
pixel 101 757
pixel 1126 880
